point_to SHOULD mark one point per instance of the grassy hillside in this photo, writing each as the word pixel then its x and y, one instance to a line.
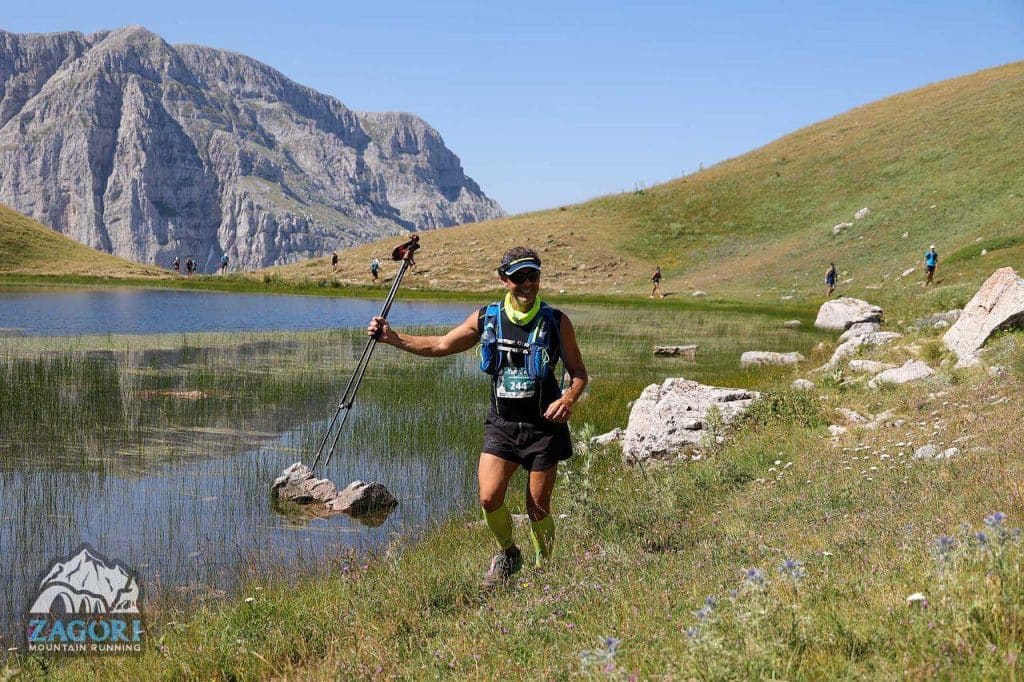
pixel 939 164
pixel 28 248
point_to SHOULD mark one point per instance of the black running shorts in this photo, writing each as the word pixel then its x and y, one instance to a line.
pixel 535 447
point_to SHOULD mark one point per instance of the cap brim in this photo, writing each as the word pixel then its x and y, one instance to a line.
pixel 516 267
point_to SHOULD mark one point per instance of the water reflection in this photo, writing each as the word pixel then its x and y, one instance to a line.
pixel 68 312
pixel 163 458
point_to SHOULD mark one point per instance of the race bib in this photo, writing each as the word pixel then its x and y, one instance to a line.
pixel 515 382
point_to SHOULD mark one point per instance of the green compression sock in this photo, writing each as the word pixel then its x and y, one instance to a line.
pixel 542 533
pixel 500 523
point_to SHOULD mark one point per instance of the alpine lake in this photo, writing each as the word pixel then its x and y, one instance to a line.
pixel 159 449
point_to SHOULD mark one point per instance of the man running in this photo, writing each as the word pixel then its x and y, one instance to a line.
pixel 374 269
pixel 830 279
pixel 931 259
pixel 656 278
pixel 334 261
pixel 526 426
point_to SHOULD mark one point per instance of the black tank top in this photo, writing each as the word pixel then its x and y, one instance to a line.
pixel 514 344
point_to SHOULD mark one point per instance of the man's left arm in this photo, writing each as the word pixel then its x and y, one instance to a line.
pixel 560 410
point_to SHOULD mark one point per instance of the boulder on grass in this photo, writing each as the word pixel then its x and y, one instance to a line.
pixel 671 419
pixel 999 304
pixel 869 366
pixel 911 370
pixel 689 352
pixel 840 314
pixel 859 329
pixel 605 438
pixel 850 347
pixel 753 358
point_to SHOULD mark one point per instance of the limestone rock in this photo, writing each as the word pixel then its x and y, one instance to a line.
pixel 911 370
pixel 852 416
pixel 298 485
pixel 869 366
pixel 802 385
pixel 842 313
pixel 931 451
pixel 148 150
pixel 360 498
pixel 859 329
pixel 699 293
pixel 836 229
pixel 862 213
pixel 671 418
pixel 689 351
pixel 999 304
pixel 752 358
pixel 606 438
pixel 836 430
pixel 792 324
pixel 968 361
pixel 850 347
pixel 937 321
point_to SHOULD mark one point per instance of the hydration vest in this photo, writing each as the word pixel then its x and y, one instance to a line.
pixel 543 352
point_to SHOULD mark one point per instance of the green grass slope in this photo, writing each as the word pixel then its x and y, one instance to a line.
pixel 29 248
pixel 939 164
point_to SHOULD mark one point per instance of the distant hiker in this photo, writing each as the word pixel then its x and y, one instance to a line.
pixel 830 278
pixel 931 259
pixel 334 261
pixel 375 269
pixel 177 265
pixel 223 263
pixel 522 340
pixel 407 249
pixel 656 278
pixel 190 266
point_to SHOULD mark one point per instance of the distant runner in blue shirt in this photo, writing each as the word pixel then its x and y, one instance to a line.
pixel 931 259
pixel 830 278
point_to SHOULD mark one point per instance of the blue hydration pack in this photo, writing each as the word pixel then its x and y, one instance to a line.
pixel 542 355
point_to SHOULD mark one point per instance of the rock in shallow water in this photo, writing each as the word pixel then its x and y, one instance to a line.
pixel 298 485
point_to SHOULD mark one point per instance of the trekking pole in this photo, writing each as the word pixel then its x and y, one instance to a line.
pixel 349 396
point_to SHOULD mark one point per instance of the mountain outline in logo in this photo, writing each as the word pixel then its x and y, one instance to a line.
pixel 87 582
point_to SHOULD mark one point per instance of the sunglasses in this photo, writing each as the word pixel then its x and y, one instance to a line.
pixel 521 276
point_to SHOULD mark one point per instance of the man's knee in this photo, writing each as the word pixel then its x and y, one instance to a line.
pixel 491 500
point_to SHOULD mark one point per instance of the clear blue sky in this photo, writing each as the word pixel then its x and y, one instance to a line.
pixel 550 103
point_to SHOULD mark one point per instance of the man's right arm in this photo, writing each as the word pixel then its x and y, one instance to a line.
pixel 459 339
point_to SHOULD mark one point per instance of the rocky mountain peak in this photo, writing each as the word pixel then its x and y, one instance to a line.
pixel 150 151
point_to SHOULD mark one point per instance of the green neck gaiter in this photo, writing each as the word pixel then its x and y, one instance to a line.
pixel 518 317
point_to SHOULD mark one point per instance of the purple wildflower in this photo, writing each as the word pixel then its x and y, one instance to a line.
pixel 754 576
pixel 703 612
pixel 793 569
pixel 943 547
pixel 995 520
pixel 611 644
pixel 710 601
pixel 693 633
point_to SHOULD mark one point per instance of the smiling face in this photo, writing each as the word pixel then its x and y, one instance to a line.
pixel 525 292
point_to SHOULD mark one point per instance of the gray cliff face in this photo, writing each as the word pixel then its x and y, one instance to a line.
pixel 147 151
